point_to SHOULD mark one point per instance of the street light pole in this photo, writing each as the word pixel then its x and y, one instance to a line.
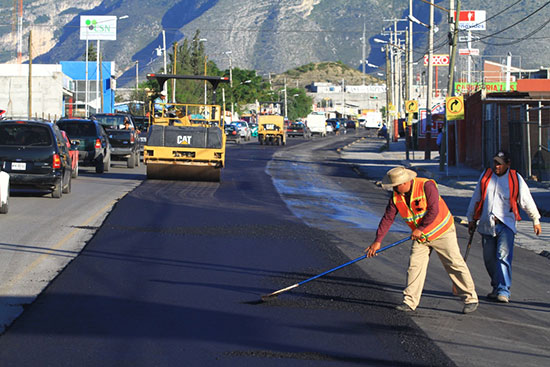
pixel 228 53
pixel 429 86
pixel 388 97
pixel 205 90
pixel 410 53
pixel 363 61
pixel 164 52
pixel 286 109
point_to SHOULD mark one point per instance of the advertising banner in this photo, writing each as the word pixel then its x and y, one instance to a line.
pixel 473 20
pixel 95 27
pixel 469 88
pixel 437 60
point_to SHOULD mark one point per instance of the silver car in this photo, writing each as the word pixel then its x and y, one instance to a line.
pixel 244 129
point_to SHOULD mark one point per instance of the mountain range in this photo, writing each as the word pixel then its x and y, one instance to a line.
pixel 269 36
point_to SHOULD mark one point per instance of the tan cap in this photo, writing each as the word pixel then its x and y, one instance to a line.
pixel 397 176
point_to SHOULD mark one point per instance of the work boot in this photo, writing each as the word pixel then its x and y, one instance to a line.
pixel 469 307
pixel 503 298
pixel 404 308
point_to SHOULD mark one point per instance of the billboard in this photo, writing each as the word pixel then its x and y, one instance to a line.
pixel 467 88
pixel 473 20
pixel 437 60
pixel 97 27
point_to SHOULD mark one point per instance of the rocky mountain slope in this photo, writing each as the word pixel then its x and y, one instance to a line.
pixel 266 35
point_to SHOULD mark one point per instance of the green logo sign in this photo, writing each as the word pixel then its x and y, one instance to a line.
pixel 98 27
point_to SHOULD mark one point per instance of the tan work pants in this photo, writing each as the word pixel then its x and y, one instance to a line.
pixel 448 251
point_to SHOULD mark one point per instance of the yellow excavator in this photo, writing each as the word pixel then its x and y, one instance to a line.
pixel 185 141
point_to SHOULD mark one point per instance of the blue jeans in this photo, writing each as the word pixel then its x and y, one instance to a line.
pixel 498 252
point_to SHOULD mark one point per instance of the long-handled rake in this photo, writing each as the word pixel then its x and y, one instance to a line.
pixel 269 296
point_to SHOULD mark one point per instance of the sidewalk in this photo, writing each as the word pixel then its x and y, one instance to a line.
pixel 456 184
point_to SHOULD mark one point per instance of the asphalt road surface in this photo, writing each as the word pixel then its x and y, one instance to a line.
pixel 41 235
pixel 175 274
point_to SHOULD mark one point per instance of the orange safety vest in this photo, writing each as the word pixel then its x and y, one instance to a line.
pixel 514 192
pixel 419 204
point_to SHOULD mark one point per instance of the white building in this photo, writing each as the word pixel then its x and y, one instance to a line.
pixel 48 89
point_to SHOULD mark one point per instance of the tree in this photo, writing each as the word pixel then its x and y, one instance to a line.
pixel 299 104
pixel 92 54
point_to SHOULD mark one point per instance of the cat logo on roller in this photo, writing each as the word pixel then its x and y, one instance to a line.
pixel 184 140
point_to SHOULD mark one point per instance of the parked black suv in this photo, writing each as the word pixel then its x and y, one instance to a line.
pixel 35 155
pixel 93 144
pixel 124 140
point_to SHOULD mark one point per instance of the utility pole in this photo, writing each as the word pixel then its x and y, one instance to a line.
pixel 429 86
pixel 388 97
pixel 100 58
pixel 137 75
pixel 30 74
pixel 20 34
pixel 363 61
pixel 228 53
pixel 410 53
pixel 444 157
pixel 407 97
pixel 286 109
pixel 98 108
pixel 174 67
pixel 164 53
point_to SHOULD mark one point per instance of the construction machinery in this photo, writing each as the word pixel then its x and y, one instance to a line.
pixel 185 141
pixel 271 124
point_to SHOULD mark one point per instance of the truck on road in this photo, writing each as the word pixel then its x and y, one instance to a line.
pixel 317 123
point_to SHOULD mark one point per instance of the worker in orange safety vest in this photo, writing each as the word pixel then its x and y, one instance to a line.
pixel 417 200
pixel 495 204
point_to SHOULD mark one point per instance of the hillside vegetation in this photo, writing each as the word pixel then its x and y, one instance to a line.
pixel 329 72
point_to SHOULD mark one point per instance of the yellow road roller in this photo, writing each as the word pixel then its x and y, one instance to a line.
pixel 271 124
pixel 185 141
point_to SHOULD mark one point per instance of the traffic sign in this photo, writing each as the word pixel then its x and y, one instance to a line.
pixel 454 108
pixel 411 106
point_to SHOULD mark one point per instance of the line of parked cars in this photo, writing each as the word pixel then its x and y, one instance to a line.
pixel 239 131
pixel 46 155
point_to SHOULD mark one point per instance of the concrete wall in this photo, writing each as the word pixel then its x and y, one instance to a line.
pixel 46 88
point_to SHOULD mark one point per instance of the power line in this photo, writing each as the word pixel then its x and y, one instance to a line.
pixel 516 23
pixel 521 39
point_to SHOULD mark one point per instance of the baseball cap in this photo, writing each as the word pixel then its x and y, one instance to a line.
pixel 502 157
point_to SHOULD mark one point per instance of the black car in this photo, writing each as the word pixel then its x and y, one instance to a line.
pixel 122 136
pixel 298 129
pixel 35 155
pixel 232 133
pixel 92 141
